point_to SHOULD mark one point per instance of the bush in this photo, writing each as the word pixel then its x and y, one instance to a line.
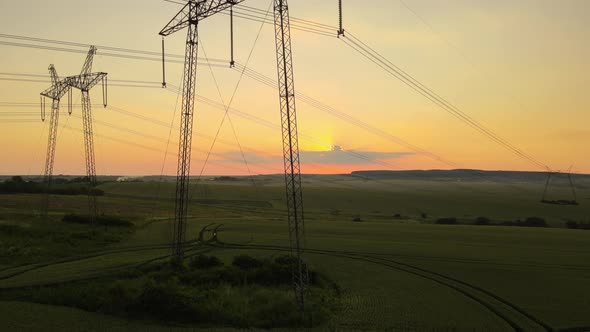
pixel 535 222
pixel 18 185
pixel 246 262
pixel 447 221
pixel 75 219
pixel 209 297
pixel 286 260
pixel 100 220
pixel 165 302
pixel 204 262
pixel 482 221
pixel 528 222
pixel 577 225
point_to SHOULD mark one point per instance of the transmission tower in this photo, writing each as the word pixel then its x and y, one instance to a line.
pixel 188 17
pixel 340 27
pixel 290 147
pixel 85 82
pixel 55 93
pixel 574 197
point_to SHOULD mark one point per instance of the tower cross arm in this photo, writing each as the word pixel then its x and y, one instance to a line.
pixel 56 91
pixel 195 11
pixel 58 88
pixel 84 82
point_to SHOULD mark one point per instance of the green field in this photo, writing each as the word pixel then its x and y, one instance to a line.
pixel 397 269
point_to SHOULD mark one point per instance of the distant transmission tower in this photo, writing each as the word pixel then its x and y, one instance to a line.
pixel 290 147
pixel 574 197
pixel 84 82
pixel 55 93
pixel 188 17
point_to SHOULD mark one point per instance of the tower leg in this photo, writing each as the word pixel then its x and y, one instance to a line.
pixel 185 142
pixel 89 152
pixel 50 158
pixel 290 147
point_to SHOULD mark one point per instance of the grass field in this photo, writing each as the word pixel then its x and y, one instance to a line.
pixel 396 273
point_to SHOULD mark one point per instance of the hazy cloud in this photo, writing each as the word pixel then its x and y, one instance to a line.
pixel 337 156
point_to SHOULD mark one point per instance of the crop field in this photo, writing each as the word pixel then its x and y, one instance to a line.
pixel 378 239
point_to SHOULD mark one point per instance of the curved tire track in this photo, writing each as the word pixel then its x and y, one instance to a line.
pixel 481 296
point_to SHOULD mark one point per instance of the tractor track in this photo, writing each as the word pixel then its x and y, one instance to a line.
pixel 492 302
pixel 22 269
pixel 111 270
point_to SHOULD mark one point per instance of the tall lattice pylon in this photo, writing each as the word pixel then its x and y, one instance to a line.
pixel 188 17
pixel 57 90
pixel 85 82
pixel 290 148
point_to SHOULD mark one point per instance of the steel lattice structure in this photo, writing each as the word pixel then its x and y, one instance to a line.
pixel 57 90
pixel 290 146
pixel 85 82
pixel 189 17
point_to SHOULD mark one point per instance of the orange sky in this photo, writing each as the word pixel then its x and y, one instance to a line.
pixel 518 67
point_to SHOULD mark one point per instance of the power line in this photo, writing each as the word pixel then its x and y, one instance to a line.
pixel 109 48
pixel 254 14
pixel 451 45
pixel 348 118
pixel 250 118
pixel 48 81
pixel 390 68
pixel 228 116
pixel 312 102
pixel 113 55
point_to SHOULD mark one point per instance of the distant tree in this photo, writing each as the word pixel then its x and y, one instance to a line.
pixel 447 221
pixel 17 179
pixel 204 262
pixel 482 221
pixel 571 224
pixel 535 222
pixel 246 262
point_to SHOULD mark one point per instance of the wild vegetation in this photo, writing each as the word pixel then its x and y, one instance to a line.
pixel 38 240
pixel 248 293
pixel 77 186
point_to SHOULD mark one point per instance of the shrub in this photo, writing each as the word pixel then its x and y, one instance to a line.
pixel 246 262
pixel 286 260
pixel 209 298
pixel 204 262
pixel 577 225
pixel 75 219
pixel 535 222
pixel 164 301
pixel 528 222
pixel 447 221
pixel 482 221
pixel 100 220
